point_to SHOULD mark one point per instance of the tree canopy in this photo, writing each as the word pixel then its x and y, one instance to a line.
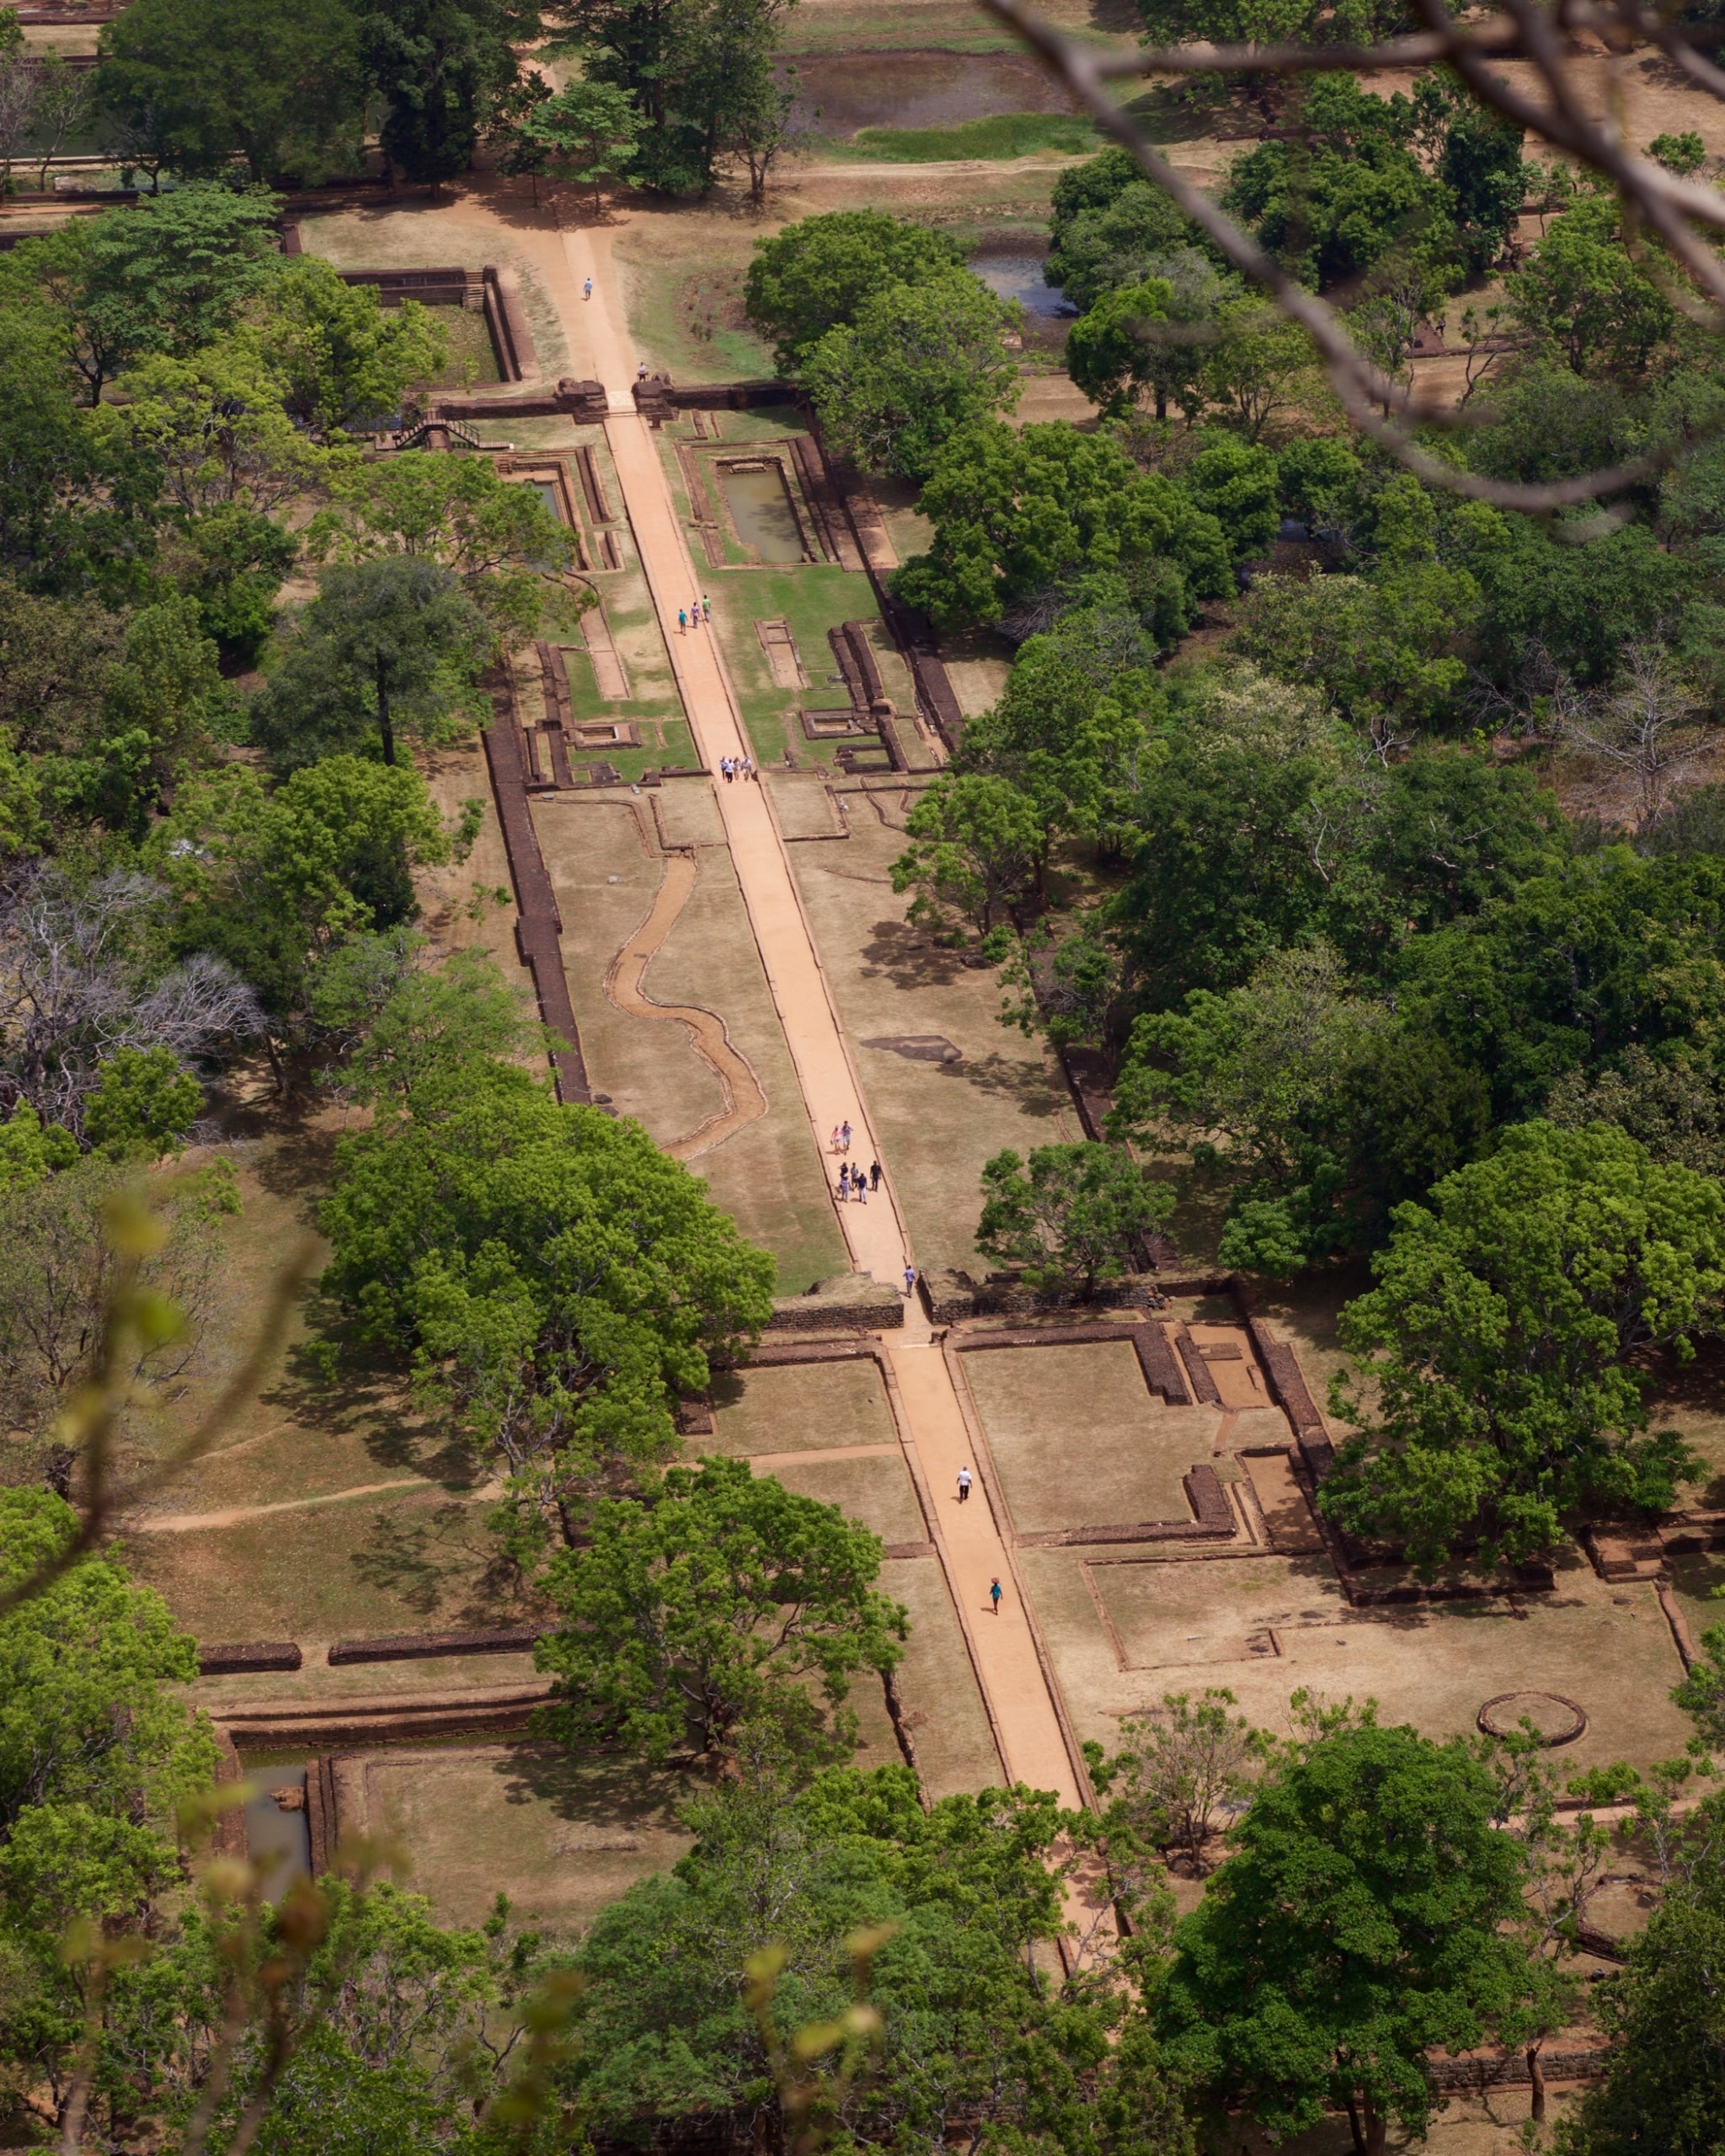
pixel 1493 1389
pixel 714 1602
pixel 1359 1922
pixel 557 1281
pixel 815 275
pixel 1018 516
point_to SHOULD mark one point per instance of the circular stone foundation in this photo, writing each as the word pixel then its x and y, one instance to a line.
pixel 1556 1721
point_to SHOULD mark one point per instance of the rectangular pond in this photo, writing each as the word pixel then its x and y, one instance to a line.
pixel 761 509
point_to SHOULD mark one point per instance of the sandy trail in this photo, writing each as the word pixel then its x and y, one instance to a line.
pixel 744 1100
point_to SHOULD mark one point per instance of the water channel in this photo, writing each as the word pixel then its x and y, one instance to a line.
pixel 277 1841
pixel 1019 277
pixel 761 509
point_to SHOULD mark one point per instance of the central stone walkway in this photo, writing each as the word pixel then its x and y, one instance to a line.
pixel 972 1546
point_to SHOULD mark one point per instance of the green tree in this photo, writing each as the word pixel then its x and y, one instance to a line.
pixel 1359 1923
pixel 916 364
pixel 343 359
pixel 1664 2087
pixel 1236 483
pixel 1111 229
pixel 28 1153
pixel 1070 730
pixel 509 550
pixel 815 274
pixel 402 1023
pixel 391 647
pixel 1493 1388
pixel 590 132
pixel 1254 364
pixel 972 2028
pixel 1344 197
pixel 716 1601
pixel 171 274
pixel 277 82
pixel 731 93
pixel 557 1282
pixel 142 1104
pixel 1480 163
pixel 693 66
pixel 1563 598
pixel 976 845
pixel 232 559
pixel 174 273
pixel 274 882
pixel 164 706
pixel 1076 1217
pixel 1223 874
pixel 1179 1766
pixel 1021 515
pixel 1685 154
pixel 443 68
pixel 1112 352
pixel 1385 649
pixel 1310 1099
pixel 78 501
pixel 215 430
pixel 1582 293
pixel 1599 951
pixel 86 1718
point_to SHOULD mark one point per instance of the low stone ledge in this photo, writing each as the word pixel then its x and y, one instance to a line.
pixel 1509 2069
pixel 856 1301
pixel 431 1646
pixel 1208 1500
pixel 1144 1530
pixel 235 1659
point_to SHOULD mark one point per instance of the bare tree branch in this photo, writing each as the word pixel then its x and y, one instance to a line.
pixel 1381 408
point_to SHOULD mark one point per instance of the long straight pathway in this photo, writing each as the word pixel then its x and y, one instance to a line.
pixel 972 1546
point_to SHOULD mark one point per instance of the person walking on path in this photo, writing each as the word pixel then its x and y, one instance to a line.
pixel 844 1181
pixel 844 1137
pixel 834 1140
pixel 587 289
pixel 963 1485
pixel 995 1592
pixel 875 1175
pixel 705 608
pixel 695 611
pixel 859 1185
pixel 909 1280
pixel 682 620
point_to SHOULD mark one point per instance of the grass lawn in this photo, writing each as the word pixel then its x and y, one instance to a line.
pixel 1001 134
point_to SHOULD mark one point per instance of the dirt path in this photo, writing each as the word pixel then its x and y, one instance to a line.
pixel 744 1100
pixel 242 1515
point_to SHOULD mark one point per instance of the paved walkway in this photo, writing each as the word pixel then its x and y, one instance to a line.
pixel 973 1551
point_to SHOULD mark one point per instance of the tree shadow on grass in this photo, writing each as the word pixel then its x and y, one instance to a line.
pixel 599 1788
pixel 365 1396
pixel 443 1561
pixel 1003 1078
pixel 909 960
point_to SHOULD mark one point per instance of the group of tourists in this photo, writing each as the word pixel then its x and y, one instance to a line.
pixel 694 614
pixel 735 768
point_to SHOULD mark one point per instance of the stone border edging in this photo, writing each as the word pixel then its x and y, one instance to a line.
pixel 235 1659
pixel 431 1646
pixel 538 924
